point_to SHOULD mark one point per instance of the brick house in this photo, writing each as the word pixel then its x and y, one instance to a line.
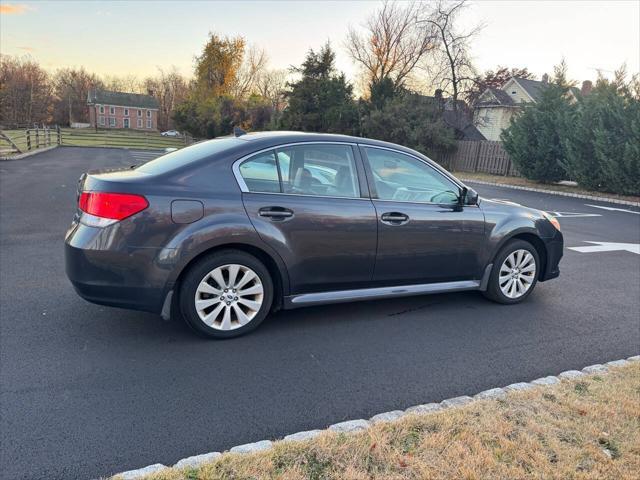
pixel 122 110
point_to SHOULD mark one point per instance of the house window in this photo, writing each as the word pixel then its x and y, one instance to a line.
pixel 112 121
pixel 101 119
pixel 101 108
pixel 139 113
pixel 148 113
pixel 139 121
pixel 112 110
pixel 513 92
pixel 126 112
pixel 149 123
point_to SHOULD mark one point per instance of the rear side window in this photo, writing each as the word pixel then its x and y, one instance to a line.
pixel 184 156
pixel 260 173
pixel 319 170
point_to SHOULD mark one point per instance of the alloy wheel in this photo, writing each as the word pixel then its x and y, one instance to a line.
pixel 517 273
pixel 229 297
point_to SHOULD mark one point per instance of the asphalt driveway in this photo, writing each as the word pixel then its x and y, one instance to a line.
pixel 88 391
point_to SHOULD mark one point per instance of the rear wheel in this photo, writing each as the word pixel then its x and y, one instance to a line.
pixel 514 274
pixel 226 294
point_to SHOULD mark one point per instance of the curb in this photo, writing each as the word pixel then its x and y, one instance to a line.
pixel 352 426
pixel 554 192
pixel 20 156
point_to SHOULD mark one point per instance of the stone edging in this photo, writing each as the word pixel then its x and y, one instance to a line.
pixel 29 154
pixel 554 192
pixel 351 426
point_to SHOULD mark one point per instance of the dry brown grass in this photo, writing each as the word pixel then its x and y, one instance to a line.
pixel 580 429
pixel 519 181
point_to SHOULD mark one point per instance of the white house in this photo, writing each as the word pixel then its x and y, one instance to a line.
pixel 496 106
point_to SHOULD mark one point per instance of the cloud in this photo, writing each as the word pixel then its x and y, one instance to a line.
pixel 26 48
pixel 14 9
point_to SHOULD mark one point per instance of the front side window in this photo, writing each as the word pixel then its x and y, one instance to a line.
pixel 101 118
pixel 112 110
pixel 320 170
pixel 404 178
pixel 112 121
pixel 139 123
pixel 260 173
pixel 101 108
pixel 149 124
pixel 148 113
pixel 139 113
pixel 126 112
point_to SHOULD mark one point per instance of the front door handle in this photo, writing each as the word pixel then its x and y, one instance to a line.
pixel 276 213
pixel 394 218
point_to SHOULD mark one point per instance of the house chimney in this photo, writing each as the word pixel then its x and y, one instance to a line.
pixel 587 86
pixel 545 78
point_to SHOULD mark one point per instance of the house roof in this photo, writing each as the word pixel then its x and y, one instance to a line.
pixel 105 97
pixel 535 87
pixel 494 96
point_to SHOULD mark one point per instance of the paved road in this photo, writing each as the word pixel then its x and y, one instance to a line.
pixel 89 390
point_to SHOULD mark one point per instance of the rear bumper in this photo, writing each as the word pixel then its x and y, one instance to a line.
pixel 555 247
pixel 104 270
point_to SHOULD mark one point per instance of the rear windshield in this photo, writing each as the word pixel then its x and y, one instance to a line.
pixel 184 156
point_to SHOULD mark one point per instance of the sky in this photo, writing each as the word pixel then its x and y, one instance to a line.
pixel 135 37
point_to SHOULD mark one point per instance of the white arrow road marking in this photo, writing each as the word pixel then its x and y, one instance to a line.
pixel 613 209
pixel 608 247
pixel 573 214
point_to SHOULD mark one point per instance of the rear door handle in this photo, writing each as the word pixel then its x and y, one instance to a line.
pixel 394 218
pixel 275 213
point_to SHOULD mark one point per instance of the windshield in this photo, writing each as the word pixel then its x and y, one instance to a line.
pixel 186 155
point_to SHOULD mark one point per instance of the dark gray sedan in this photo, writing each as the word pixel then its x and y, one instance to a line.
pixel 225 231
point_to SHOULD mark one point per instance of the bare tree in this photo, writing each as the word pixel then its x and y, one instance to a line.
pixel 271 85
pixel 170 88
pixel 253 65
pixel 453 71
pixel 392 44
pixel 71 88
pixel 25 92
pixel 127 83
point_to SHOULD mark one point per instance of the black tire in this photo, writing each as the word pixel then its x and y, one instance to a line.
pixel 494 292
pixel 197 273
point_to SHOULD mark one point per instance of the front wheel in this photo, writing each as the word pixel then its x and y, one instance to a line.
pixel 226 294
pixel 514 274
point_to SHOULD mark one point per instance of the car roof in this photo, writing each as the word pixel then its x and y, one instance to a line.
pixel 275 138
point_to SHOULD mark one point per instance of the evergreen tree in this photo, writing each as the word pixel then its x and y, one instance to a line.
pixel 321 101
pixel 534 139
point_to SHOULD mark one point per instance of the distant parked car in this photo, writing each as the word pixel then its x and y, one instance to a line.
pixel 171 133
pixel 225 231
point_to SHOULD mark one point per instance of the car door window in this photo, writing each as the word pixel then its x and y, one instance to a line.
pixel 321 170
pixel 404 178
pixel 260 173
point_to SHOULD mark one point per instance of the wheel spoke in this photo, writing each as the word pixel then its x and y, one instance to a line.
pixel 204 287
pixel 504 279
pixel 253 290
pixel 203 304
pixel 217 276
pixel 233 274
pixel 255 306
pixel 213 316
pixel 226 319
pixel 529 268
pixel 246 278
pixel 243 319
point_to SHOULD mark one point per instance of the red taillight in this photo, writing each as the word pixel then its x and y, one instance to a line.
pixel 116 206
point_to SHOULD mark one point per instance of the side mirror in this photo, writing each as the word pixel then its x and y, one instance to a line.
pixel 471 198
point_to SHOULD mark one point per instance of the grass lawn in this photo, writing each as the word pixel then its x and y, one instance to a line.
pixel 588 428
pixel 88 137
pixel 520 181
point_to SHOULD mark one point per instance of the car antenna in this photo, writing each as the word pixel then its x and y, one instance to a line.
pixel 238 132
